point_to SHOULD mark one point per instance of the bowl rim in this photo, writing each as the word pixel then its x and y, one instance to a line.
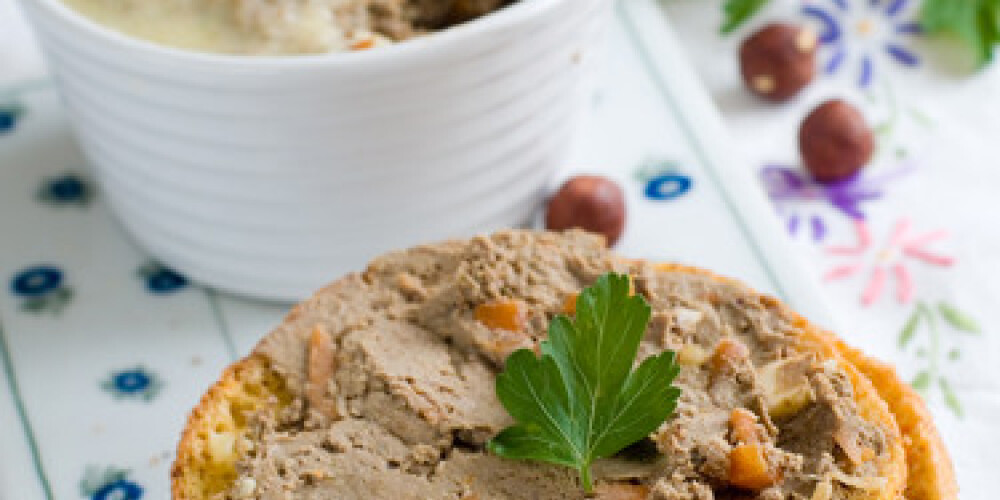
pixel 513 14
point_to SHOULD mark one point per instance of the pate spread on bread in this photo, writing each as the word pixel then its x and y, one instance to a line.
pixel 382 386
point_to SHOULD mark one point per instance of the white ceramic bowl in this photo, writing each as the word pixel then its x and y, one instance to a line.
pixel 268 176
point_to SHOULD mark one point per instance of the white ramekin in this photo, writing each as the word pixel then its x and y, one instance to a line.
pixel 268 176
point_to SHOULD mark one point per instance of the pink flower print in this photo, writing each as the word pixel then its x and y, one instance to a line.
pixel 889 262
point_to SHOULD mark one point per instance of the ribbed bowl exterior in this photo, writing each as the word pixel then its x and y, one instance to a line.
pixel 270 176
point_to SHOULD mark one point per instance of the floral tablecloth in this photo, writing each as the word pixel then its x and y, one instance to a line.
pixel 103 349
pixel 909 255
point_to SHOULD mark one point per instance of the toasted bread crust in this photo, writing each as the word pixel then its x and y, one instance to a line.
pixel 210 403
pixel 197 467
pixel 917 461
pixel 926 456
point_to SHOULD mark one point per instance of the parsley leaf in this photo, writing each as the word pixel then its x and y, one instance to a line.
pixel 738 11
pixel 582 400
pixel 974 22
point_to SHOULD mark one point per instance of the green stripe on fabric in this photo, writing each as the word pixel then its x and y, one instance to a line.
pixel 220 320
pixel 29 433
pixel 692 138
pixel 24 87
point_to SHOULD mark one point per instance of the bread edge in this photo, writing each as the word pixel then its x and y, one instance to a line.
pixel 917 438
pixel 209 403
pixel 926 455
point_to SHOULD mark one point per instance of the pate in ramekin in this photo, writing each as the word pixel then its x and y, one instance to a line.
pixel 263 174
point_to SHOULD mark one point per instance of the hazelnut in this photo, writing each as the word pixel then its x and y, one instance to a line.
pixel 778 61
pixel 835 141
pixel 588 202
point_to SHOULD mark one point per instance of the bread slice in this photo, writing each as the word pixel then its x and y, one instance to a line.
pixel 917 461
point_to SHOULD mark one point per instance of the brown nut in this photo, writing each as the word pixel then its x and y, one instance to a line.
pixel 835 141
pixel 778 61
pixel 591 203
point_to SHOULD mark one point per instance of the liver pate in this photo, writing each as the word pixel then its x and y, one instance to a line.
pixel 406 399
pixel 281 26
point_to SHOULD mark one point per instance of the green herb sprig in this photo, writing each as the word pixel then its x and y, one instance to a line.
pixel 582 400
pixel 738 12
pixel 974 22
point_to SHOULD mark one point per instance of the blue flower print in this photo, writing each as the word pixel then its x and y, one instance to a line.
pixel 862 30
pixel 37 281
pixel 109 484
pixel 663 181
pixel 668 186
pixel 131 382
pixel 42 288
pixel 134 383
pixel 119 490
pixel 7 120
pixel 67 189
pixel 161 280
pixel 166 281
pixel 10 113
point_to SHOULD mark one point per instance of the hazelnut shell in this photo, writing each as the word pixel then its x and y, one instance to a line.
pixel 778 61
pixel 591 203
pixel 835 141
